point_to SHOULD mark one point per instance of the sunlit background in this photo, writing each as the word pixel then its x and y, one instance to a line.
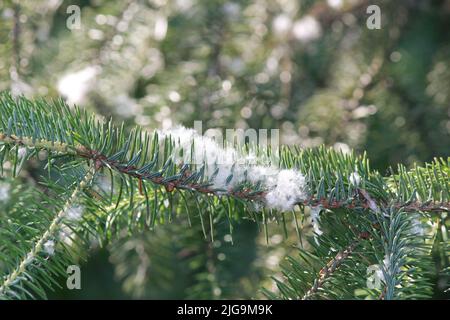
pixel 312 69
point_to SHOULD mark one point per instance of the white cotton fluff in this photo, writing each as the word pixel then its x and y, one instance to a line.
pixel 355 178
pixel 377 272
pixel 227 167
pixel 380 275
pixel 22 152
pixel 315 215
pixel 287 190
pixel 49 247
pixel 74 213
pixel 377 275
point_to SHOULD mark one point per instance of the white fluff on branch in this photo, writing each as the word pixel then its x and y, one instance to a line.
pixel 49 247
pixel 315 215
pixel 287 191
pixel 74 213
pixel 22 152
pixel 355 179
pixel 227 167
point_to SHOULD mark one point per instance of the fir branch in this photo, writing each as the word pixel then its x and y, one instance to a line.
pixel 359 200
pixel 102 161
pixel 54 226
pixel 332 266
pixel 75 133
pixel 406 257
pixel 317 177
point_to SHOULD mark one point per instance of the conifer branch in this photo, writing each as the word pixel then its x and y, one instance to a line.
pixel 139 162
pixel 332 266
pixel 359 200
pixel 54 226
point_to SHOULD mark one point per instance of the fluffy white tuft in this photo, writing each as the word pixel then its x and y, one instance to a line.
pixel 22 152
pixel 315 215
pixel 227 167
pixel 287 191
pixel 376 276
pixel 74 213
pixel 49 247
pixel 355 178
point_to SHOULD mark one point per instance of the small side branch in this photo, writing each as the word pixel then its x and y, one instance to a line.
pixel 52 229
pixel 329 269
